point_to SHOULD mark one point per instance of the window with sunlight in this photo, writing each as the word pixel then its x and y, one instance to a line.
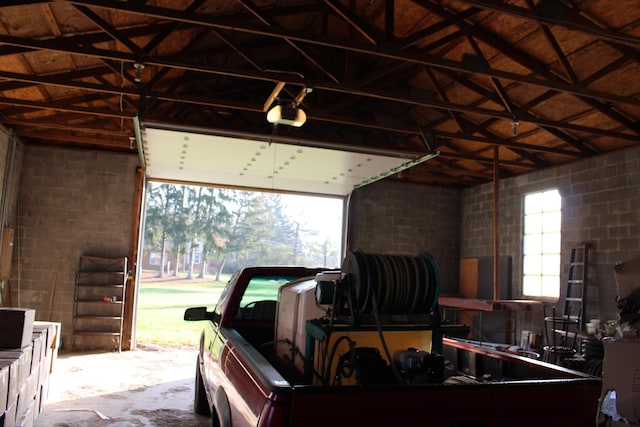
pixel 541 244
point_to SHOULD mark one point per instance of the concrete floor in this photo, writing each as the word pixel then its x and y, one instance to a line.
pixel 151 386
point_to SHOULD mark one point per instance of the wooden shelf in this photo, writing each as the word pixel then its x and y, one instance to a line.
pixel 488 305
pixel 96 279
pixel 94 317
pixel 512 310
pixel 87 285
pixel 97 301
pixel 97 333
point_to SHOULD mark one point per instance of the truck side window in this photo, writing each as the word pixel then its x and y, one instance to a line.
pixel 260 298
pixel 225 294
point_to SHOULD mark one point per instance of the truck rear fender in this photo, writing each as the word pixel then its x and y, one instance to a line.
pixel 222 408
pixel 274 414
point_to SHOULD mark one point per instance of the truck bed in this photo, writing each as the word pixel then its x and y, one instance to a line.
pixel 485 388
pixel 532 403
pixel 245 377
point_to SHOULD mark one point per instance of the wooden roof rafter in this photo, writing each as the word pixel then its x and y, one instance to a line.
pixel 384 75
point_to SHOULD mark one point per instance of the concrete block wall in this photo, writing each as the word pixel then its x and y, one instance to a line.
pixel 600 205
pixel 74 202
pixel 5 141
pixel 10 164
pixel 70 203
pixel 388 217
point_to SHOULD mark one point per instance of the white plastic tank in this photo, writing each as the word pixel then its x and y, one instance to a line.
pixel 296 305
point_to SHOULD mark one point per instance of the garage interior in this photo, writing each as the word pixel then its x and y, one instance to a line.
pixel 464 107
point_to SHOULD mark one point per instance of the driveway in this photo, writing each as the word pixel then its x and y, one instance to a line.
pixel 151 386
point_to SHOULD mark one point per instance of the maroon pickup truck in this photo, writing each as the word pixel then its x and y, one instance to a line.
pixel 291 346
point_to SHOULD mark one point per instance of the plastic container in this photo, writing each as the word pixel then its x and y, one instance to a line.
pixel 296 305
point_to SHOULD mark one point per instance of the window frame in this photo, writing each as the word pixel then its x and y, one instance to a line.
pixel 541 244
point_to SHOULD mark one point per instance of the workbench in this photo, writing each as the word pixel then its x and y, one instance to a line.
pixel 511 307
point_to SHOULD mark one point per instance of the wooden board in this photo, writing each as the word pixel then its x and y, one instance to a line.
pixel 6 253
pixel 469 278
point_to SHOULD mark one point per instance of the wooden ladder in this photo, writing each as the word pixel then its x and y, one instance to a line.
pixel 575 301
pixel 562 330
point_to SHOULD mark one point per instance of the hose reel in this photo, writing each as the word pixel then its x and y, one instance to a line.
pixel 384 284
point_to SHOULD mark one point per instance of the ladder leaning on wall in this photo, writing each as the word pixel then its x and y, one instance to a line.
pixel 575 301
pixel 562 330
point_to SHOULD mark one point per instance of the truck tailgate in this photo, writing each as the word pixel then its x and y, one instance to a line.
pixel 562 402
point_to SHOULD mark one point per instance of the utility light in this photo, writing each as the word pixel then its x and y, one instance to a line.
pixel 286 115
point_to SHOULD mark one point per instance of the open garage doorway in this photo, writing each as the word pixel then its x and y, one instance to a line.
pixel 195 237
pixel 282 220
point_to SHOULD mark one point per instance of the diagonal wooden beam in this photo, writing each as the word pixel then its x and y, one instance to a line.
pixel 84 128
pixel 445 23
pixel 523 110
pixel 109 29
pixel 169 28
pixel 464 124
pixel 352 20
pixel 63 106
pixel 556 48
pixel 502 93
pixel 389 20
pixel 293 43
pixel 402 98
pixel 306 37
pixel 532 64
pixel 556 13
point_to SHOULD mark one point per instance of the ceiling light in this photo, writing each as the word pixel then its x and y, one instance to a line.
pixel 139 67
pixel 514 127
pixel 286 115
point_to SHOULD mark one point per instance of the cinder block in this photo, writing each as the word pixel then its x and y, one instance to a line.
pixel 44 395
pixel 4 387
pixel 16 327
pixel 48 330
pixel 36 354
pixel 11 397
pixel 43 369
pixel 28 418
pixel 19 362
pixel 39 344
pixel 8 418
pixel 52 341
pixel 26 400
pixel 38 401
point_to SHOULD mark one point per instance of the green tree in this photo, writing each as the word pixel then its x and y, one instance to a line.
pixel 178 224
pixel 236 228
pixel 154 224
pixel 247 220
pixel 281 243
pixel 212 219
pixel 160 220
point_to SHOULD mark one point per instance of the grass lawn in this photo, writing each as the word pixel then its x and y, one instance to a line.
pixel 161 305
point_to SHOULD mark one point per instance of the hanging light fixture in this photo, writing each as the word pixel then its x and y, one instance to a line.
pixel 139 67
pixel 514 126
pixel 286 111
pixel 290 115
